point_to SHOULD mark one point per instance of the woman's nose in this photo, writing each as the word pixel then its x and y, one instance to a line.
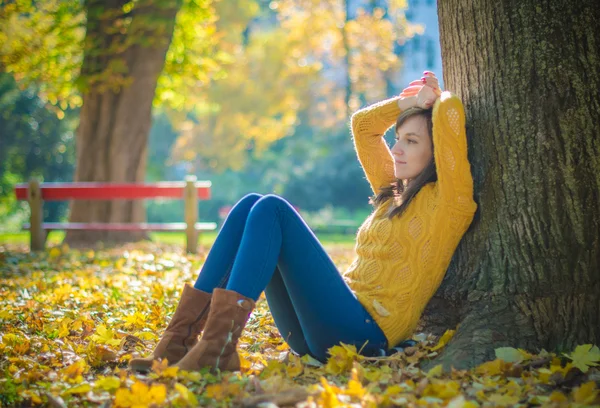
pixel 397 150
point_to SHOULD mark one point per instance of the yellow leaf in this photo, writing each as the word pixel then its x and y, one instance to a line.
pixel 141 395
pixel 64 328
pixel 586 393
pixel 98 354
pixel 273 368
pixel 585 356
pixel 54 252
pixel 355 388
pixel 78 389
pixel 105 336
pixel 558 396
pixel 186 395
pixel 107 383
pixel 559 369
pixel 223 390
pixel 120 263
pixel 281 347
pixel 170 372
pixel 503 400
pixel 328 397
pixel 294 367
pixel 19 344
pixel 460 402
pixel 158 393
pixel 136 320
pixel 145 335
pixel 214 391
pixel 245 363
pixel 6 314
pixel 494 367
pixel 392 390
pixel 442 389
pixel 341 359
pixel 444 339
pixel 160 366
pixel 509 354
pixel 435 371
pixel 75 370
pixel 544 375
pixel 123 398
pixel 373 374
pixel 381 311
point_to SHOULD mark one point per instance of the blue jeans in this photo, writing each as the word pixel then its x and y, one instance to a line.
pixel 265 245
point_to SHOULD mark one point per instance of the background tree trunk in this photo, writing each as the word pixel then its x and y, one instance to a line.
pixel 527 273
pixel 115 118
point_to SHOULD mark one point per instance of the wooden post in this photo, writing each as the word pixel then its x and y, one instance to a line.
pixel 37 237
pixel 191 213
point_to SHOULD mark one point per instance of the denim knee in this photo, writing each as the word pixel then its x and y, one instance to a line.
pixel 269 203
pixel 250 198
pixel 245 204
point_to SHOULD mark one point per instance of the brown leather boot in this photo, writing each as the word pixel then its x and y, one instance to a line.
pixel 182 332
pixel 228 315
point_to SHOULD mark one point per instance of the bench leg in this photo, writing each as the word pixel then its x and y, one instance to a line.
pixel 191 214
pixel 37 236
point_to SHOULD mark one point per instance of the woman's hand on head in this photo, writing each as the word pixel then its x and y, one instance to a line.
pixel 422 92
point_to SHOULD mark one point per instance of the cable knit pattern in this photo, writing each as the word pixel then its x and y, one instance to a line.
pixel 401 262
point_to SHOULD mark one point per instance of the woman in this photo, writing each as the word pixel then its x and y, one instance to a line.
pixel 423 205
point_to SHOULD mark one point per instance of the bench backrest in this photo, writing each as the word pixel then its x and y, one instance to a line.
pixel 114 191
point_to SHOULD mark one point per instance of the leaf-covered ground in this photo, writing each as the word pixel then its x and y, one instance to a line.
pixel 70 321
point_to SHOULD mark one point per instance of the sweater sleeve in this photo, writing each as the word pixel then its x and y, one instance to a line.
pixel 368 127
pixel 455 183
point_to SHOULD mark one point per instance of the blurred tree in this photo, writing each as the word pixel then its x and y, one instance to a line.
pixel 300 55
pixel 527 275
pixel 114 51
pixel 33 143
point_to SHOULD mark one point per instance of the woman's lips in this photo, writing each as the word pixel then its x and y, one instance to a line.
pixel 400 162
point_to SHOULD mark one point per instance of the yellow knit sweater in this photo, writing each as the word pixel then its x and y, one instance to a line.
pixel 401 262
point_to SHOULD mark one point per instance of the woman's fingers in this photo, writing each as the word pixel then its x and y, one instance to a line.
pixel 429 79
pixel 413 88
pixel 433 83
pixel 407 94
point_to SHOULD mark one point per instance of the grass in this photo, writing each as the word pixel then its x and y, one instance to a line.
pixel 172 238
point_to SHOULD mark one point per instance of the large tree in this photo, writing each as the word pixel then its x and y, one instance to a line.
pixel 115 117
pixel 527 274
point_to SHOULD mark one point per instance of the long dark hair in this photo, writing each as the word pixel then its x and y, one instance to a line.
pixel 398 190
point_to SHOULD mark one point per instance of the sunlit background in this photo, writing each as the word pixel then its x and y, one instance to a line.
pixel 255 96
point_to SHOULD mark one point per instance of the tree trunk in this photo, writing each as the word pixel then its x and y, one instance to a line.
pixel 115 122
pixel 527 273
pixel 347 59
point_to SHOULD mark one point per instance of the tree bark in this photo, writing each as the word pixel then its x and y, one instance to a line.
pixel 527 273
pixel 115 118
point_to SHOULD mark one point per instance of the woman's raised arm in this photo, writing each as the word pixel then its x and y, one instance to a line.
pixel 455 183
pixel 368 126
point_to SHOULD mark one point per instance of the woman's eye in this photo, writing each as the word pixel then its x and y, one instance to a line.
pixel 412 141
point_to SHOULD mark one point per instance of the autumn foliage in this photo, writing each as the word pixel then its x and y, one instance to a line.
pixel 70 321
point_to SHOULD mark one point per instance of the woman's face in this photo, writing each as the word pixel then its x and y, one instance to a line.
pixel 413 148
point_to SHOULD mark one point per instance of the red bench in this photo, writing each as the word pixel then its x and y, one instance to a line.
pixel 190 191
